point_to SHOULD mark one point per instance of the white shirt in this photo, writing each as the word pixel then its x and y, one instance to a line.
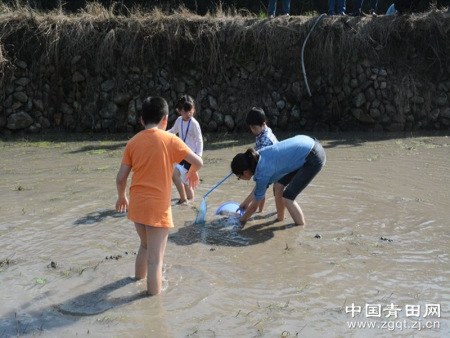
pixel 190 133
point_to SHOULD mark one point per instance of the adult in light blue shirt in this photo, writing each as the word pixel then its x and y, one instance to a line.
pixel 290 164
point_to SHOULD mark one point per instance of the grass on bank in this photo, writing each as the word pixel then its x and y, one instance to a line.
pixel 221 39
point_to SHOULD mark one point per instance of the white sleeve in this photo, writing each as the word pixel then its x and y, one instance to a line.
pixel 176 127
pixel 198 139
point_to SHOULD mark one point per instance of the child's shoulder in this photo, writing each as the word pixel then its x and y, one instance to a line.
pixel 268 129
pixel 195 122
pixel 136 136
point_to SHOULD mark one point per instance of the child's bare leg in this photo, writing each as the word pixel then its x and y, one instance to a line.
pixel 176 178
pixel 261 205
pixel 278 190
pixel 295 211
pixel 156 246
pixel 140 266
pixel 189 192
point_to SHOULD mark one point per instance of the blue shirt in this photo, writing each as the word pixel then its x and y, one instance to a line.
pixel 280 159
pixel 265 138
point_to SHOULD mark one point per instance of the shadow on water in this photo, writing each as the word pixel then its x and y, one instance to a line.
pixel 227 140
pixel 227 231
pixel 356 139
pixel 96 302
pixel 212 141
pixel 329 139
pixel 56 136
pixel 98 216
pixel 87 304
pixel 99 148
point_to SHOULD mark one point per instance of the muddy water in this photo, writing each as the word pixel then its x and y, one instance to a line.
pixel 377 238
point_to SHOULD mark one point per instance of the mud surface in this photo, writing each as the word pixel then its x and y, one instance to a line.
pixel 377 234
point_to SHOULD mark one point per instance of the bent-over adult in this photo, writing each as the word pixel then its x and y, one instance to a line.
pixel 290 164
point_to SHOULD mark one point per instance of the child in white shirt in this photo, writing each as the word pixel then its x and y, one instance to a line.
pixel 188 129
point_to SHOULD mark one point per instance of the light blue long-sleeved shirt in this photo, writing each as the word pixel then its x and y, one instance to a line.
pixel 280 159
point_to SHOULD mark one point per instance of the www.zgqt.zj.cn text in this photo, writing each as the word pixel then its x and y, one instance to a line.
pixel 418 317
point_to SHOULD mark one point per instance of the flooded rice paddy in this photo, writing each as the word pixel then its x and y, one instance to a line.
pixel 374 252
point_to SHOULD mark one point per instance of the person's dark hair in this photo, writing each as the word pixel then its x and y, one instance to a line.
pixel 245 161
pixel 154 108
pixel 255 117
pixel 185 103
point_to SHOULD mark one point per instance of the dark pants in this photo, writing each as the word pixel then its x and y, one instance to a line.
pixel 185 164
pixel 298 180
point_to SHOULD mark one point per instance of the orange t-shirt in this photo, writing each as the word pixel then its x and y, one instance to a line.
pixel 151 154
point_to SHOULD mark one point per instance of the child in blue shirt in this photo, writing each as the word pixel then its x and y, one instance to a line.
pixel 256 120
pixel 290 164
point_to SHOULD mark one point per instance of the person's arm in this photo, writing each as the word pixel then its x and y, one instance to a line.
pixel 249 211
pixel 175 128
pixel 192 175
pixel 244 205
pixel 199 140
pixel 259 190
pixel 121 183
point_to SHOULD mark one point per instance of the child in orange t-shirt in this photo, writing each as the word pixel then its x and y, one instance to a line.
pixel 151 155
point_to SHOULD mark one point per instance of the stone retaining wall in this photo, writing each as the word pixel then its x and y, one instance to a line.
pixel 73 96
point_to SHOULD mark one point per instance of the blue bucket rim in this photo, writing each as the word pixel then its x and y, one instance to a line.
pixel 228 203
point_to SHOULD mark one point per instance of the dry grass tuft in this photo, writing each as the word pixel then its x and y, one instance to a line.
pixel 221 39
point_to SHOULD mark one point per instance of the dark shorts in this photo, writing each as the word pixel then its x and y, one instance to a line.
pixel 185 164
pixel 299 179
